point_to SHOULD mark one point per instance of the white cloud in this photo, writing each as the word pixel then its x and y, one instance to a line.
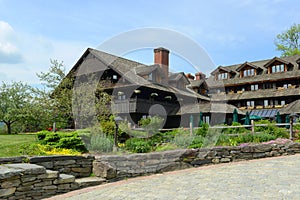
pixel 22 56
pixel 9 52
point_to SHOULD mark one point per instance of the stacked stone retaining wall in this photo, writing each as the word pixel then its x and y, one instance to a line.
pixel 41 177
pixel 79 166
pixel 119 166
pixel 30 181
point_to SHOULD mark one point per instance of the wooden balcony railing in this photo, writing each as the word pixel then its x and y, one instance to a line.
pixel 135 105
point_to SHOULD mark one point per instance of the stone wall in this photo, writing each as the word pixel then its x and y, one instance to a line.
pixel 30 181
pixel 38 179
pixel 119 166
pixel 79 166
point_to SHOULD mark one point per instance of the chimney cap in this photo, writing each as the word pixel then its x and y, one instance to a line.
pixel 161 49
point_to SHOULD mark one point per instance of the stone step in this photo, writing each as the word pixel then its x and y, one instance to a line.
pixel 89 181
pixel 64 178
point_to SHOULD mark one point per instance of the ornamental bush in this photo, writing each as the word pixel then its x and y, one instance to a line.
pixel 69 140
pixel 137 145
pixel 100 143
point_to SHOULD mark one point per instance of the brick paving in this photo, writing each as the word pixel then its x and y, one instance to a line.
pixel 270 178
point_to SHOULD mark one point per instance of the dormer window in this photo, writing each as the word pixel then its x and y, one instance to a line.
pixel 150 77
pixel 248 72
pixel 277 65
pixel 277 68
pixel 223 76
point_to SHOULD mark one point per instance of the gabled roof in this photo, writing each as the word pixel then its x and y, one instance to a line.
pixel 208 107
pixel 226 69
pixel 128 69
pixel 293 107
pixel 264 76
pixel 250 65
pixel 274 60
pixel 145 70
pixel 197 83
pixel 178 76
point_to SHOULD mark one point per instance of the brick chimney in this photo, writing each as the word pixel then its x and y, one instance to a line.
pixel 200 76
pixel 190 76
pixel 161 57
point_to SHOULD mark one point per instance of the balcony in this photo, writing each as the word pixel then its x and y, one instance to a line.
pixel 262 107
pixel 258 94
pixel 136 105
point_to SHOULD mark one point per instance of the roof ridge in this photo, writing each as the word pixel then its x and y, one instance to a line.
pixel 118 57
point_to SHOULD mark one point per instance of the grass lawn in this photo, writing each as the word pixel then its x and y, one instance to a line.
pixel 10 144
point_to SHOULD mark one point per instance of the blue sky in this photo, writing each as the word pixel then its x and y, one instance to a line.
pixel 231 31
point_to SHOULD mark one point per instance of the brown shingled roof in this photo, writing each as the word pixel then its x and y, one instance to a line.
pixel 293 107
pixel 208 107
pixel 291 60
pixel 129 70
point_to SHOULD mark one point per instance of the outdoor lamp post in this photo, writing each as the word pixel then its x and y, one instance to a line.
pixel 118 119
pixel 292 116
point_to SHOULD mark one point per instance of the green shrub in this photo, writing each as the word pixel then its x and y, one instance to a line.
pixel 245 138
pixel 272 129
pixel 202 131
pixel 73 142
pixel 234 130
pixel 137 145
pixel 42 135
pixel 69 140
pixel 264 137
pixel 197 142
pixel 151 125
pixel 100 143
pixel 297 126
pixel 31 150
pixel 108 127
pixel 223 140
pixel 211 137
pixel 51 138
pixel 183 140
pixel 281 133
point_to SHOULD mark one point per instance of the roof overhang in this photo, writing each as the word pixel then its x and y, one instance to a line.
pixel 247 64
pixel 268 64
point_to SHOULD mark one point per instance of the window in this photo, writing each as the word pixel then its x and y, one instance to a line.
pixel 282 102
pixel 266 103
pixel 277 68
pixel 286 85
pixel 222 76
pixel 248 72
pixel 254 87
pixel 122 97
pixel 115 77
pixel 269 86
pixel 150 77
pixel 206 119
pixel 250 103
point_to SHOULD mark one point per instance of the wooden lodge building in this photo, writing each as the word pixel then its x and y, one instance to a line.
pixel 139 90
pixel 262 87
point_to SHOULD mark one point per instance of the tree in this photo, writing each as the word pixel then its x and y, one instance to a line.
pixel 66 98
pixel 15 103
pixel 56 98
pixel 288 42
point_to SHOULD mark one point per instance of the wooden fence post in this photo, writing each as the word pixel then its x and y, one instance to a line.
pixel 252 126
pixel 291 128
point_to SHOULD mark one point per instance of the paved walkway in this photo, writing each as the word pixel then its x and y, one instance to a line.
pixel 271 178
